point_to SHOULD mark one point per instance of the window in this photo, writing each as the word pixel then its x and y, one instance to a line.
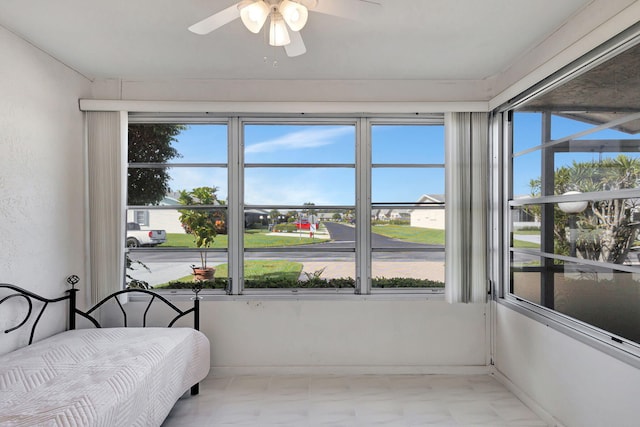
pixel 341 205
pixel 407 205
pixel 178 176
pixel 574 199
pixel 141 217
pixel 299 186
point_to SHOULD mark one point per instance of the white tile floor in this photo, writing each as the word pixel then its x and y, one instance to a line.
pixel 358 400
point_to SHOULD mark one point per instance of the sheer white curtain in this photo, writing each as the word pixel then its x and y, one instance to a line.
pixel 106 139
pixel 466 185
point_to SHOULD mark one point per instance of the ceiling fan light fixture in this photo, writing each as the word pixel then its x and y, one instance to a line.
pixel 278 34
pixel 294 14
pixel 254 15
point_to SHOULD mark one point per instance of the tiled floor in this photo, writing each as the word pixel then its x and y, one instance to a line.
pixel 359 400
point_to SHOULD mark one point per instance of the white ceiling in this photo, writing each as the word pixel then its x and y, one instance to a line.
pixel 400 39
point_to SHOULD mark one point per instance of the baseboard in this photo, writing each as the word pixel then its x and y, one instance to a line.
pixel 526 399
pixel 348 370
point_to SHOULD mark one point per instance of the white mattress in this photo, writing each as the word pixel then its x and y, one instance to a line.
pixel 101 377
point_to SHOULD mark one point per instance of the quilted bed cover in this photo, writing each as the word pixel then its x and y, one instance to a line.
pixel 101 377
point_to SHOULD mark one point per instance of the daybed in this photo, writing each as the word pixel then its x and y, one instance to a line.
pixel 122 376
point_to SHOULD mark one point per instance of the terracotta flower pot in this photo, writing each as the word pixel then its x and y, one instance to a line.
pixel 203 273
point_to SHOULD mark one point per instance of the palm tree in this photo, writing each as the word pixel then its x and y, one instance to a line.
pixel 606 228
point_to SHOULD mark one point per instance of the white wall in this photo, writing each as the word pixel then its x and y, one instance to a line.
pixel 577 384
pixel 41 175
pixel 431 218
pixel 359 334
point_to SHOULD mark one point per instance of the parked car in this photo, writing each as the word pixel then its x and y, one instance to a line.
pixel 137 237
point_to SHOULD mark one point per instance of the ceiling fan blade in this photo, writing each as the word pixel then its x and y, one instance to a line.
pixel 296 47
pixel 350 9
pixel 216 20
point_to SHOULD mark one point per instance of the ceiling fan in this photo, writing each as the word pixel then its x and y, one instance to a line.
pixel 286 18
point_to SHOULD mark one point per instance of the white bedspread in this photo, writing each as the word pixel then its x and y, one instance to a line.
pixel 101 377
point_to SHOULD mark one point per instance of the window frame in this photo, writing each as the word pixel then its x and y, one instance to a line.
pixel 373 205
pixel 501 127
pixel 236 204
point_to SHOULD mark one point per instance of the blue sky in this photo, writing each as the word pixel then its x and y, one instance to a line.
pixel 319 144
pixel 325 144
pixel 527 134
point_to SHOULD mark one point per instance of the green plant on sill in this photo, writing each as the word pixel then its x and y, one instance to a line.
pixel 200 223
pixel 133 283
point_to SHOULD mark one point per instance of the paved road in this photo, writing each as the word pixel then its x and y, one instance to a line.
pixel 341 233
pixel 342 237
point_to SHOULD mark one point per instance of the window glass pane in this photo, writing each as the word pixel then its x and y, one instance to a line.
pixel 428 218
pixel 596 171
pixel 407 269
pixel 177 143
pixel 296 186
pixel 603 297
pixel 407 241
pixel 525 226
pixel 407 144
pixel 144 182
pixel 594 227
pixel 566 124
pixel 526 175
pixel 299 269
pixel 404 185
pixel 170 228
pixel 281 227
pixel 602 230
pixel 281 143
pixel 525 284
pixel 407 228
pixel 563 126
pixel 527 130
pixel 172 269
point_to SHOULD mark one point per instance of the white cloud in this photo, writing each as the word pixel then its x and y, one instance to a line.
pixel 190 178
pixel 319 186
pixel 308 138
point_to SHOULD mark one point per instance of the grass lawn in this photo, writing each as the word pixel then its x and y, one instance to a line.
pixel 252 239
pixel 411 234
pixel 256 270
pixel 525 245
pixel 528 232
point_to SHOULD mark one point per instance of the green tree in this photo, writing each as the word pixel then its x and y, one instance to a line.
pixel 273 216
pixel 292 216
pixel 201 223
pixel 605 229
pixel 150 143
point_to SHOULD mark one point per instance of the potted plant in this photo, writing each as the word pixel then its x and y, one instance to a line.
pixel 202 224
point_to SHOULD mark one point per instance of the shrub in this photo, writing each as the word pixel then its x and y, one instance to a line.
pixel 400 222
pixel 390 222
pixel 312 282
pixel 285 228
pixel 405 282
pixel 216 283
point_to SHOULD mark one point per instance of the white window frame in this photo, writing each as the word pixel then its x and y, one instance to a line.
pixel 235 207
pixel 501 153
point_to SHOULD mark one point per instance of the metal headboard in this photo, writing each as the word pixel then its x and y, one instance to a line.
pixel 73 311
pixel 29 297
pixel 154 296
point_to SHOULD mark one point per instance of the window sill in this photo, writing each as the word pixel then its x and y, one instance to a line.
pixel 305 294
pixel 622 349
